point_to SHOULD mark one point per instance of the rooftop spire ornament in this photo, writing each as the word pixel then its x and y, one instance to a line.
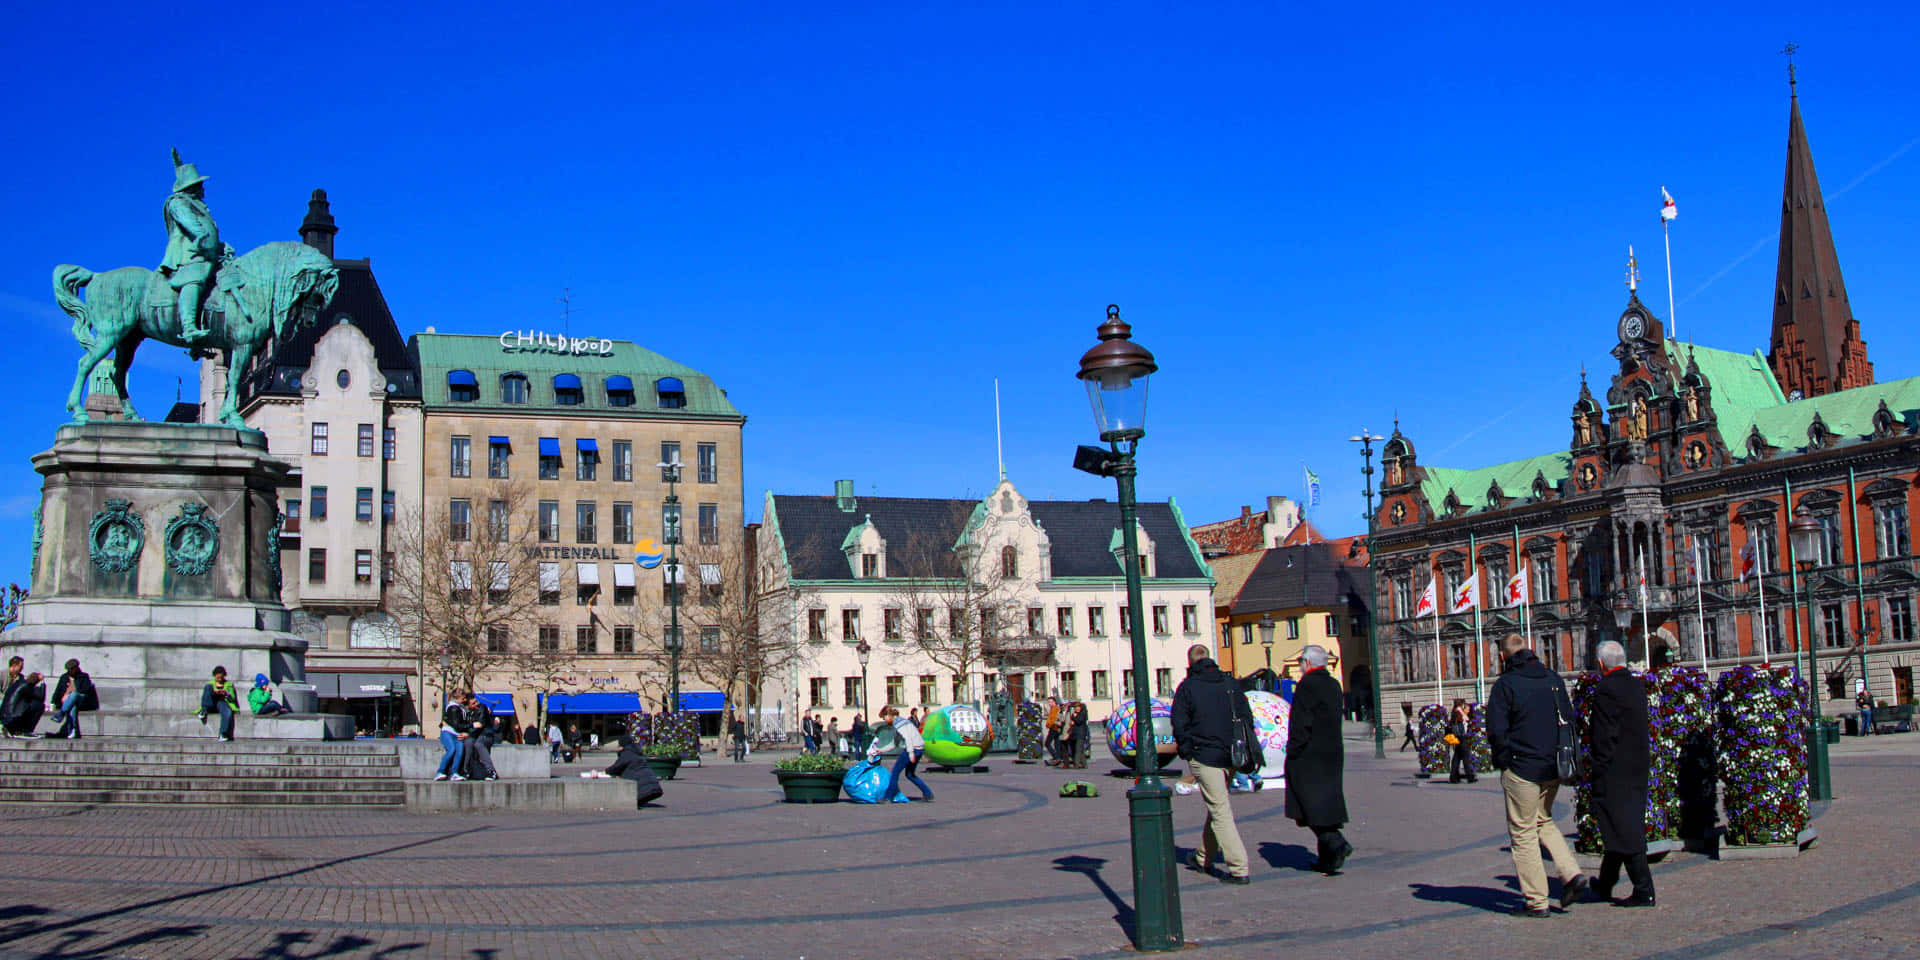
pixel 1633 271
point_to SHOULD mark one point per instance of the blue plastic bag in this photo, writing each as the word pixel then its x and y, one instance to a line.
pixel 866 782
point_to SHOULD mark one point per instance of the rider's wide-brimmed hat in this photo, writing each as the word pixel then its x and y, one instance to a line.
pixel 184 174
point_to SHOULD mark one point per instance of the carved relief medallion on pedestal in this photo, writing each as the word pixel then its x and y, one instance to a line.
pixel 116 536
pixel 192 540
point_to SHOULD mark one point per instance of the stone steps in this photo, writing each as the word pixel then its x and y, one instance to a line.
pixel 200 771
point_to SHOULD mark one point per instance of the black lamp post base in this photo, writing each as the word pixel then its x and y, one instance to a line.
pixel 1156 888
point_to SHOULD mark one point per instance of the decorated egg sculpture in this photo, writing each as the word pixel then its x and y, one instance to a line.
pixel 957 735
pixel 1270 713
pixel 1120 729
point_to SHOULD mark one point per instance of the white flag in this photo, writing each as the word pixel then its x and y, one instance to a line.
pixel 1667 210
pixel 1428 601
pixel 1518 590
pixel 1467 595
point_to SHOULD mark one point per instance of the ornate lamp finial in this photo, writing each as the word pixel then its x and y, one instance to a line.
pixel 1633 271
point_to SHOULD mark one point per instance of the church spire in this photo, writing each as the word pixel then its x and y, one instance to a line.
pixel 1816 345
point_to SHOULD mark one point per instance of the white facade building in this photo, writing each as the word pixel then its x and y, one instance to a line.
pixel 1026 594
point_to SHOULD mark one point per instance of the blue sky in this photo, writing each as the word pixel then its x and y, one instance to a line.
pixel 856 219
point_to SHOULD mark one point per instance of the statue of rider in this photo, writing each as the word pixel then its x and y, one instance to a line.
pixel 194 249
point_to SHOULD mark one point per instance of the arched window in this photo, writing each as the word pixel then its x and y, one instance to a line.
pixel 619 392
pixel 567 391
pixel 672 393
pixel 462 387
pixel 513 388
pixel 1009 561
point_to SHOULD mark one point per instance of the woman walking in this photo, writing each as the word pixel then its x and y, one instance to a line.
pixel 1460 738
pixel 453 738
pixel 219 695
pixel 911 748
pixel 1076 737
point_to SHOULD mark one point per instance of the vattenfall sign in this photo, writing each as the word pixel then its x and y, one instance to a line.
pixel 576 553
pixel 536 341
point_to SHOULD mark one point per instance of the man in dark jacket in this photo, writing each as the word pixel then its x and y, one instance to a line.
pixel 1619 761
pixel 23 698
pixel 74 693
pixel 1204 711
pixel 1525 713
pixel 1316 761
pixel 482 733
pixel 632 765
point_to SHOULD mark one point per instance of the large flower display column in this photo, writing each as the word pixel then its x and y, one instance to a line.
pixel 1586 831
pixel 1480 751
pixel 1433 750
pixel 1680 795
pixel 1763 757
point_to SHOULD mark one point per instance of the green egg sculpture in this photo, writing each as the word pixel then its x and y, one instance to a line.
pixel 957 735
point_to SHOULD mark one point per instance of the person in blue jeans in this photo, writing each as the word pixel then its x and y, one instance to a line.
pixel 219 695
pixel 911 749
pixel 453 738
pixel 74 693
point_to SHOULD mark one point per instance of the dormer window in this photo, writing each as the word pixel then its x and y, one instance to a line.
pixel 869 566
pixel 462 387
pixel 567 391
pixel 513 388
pixel 672 393
pixel 619 392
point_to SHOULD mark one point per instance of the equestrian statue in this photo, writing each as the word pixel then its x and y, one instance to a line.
pixel 203 298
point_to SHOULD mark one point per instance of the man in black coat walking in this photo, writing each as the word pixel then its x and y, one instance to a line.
pixel 1619 763
pixel 1204 710
pixel 1316 761
pixel 1525 713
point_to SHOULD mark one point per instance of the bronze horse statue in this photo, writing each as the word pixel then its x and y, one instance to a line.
pixel 253 296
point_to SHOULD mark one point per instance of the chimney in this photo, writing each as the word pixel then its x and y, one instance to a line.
pixel 317 229
pixel 843 496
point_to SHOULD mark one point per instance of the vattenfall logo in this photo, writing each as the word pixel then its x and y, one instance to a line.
pixel 648 554
pixel 536 341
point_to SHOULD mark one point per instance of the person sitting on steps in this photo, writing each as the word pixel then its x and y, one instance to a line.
pixel 219 695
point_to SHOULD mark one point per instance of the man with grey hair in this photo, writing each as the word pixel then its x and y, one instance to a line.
pixel 1316 760
pixel 1619 759
pixel 1525 713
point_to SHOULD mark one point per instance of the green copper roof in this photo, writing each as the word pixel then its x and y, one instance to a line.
pixel 1515 478
pixel 1847 414
pixel 1742 383
pixel 489 358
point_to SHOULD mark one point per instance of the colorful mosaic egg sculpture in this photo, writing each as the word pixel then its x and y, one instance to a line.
pixel 1120 732
pixel 957 735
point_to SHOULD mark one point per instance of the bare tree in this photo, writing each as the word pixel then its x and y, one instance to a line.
pixel 740 630
pixel 468 587
pixel 952 604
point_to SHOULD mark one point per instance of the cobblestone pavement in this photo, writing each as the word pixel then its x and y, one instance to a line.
pixel 1000 866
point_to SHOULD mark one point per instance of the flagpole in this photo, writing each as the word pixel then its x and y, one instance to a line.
pixel 1667 213
pixel 1700 600
pixel 1526 580
pixel 1646 632
pixel 1479 645
pixel 1439 689
pixel 1760 564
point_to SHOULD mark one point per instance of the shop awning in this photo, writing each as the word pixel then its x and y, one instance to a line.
pixel 549 577
pixel 500 703
pixel 669 385
pixel 586 574
pixel 566 381
pixel 586 445
pixel 702 701
pixel 461 378
pixel 619 383
pixel 499 442
pixel 608 702
pixel 623 574
pixel 355 686
pixel 549 446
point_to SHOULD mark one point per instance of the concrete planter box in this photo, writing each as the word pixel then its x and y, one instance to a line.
pixel 810 786
pixel 666 768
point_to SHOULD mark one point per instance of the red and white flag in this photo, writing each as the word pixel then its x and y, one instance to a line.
pixel 1428 600
pixel 1667 210
pixel 1747 558
pixel 1466 596
pixel 1643 580
pixel 1519 592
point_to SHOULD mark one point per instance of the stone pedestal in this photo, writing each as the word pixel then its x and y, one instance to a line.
pixel 157 559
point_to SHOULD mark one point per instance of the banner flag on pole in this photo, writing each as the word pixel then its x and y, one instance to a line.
pixel 1467 595
pixel 1748 560
pixel 1428 600
pixel 1313 487
pixel 1643 580
pixel 1667 210
pixel 1519 592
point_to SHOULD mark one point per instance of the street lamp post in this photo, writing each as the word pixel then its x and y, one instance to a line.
pixel 865 651
pixel 1266 638
pixel 1805 534
pixel 675 581
pixel 1115 372
pixel 1365 439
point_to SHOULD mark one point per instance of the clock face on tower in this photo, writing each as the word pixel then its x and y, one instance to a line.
pixel 1633 325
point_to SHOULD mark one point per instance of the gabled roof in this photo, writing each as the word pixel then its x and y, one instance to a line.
pixel 814 528
pixel 488 360
pixel 1848 414
pixel 1515 477
pixel 1230 575
pixel 1288 578
pixel 1742 384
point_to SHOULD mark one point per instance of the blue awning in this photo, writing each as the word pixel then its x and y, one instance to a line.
pixel 612 702
pixel 702 701
pixel 549 446
pixel 461 378
pixel 669 385
pixel 566 381
pixel 586 445
pixel 620 383
pixel 499 442
pixel 500 703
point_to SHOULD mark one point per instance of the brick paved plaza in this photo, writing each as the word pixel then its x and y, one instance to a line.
pixel 998 867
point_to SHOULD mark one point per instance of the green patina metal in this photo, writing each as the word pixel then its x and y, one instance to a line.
pixel 39 534
pixel 116 536
pixel 273 549
pixel 489 358
pixel 192 540
pixel 1515 478
pixel 203 297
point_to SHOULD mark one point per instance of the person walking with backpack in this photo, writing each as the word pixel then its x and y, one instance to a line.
pixel 1529 717
pixel 1316 761
pixel 1207 708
